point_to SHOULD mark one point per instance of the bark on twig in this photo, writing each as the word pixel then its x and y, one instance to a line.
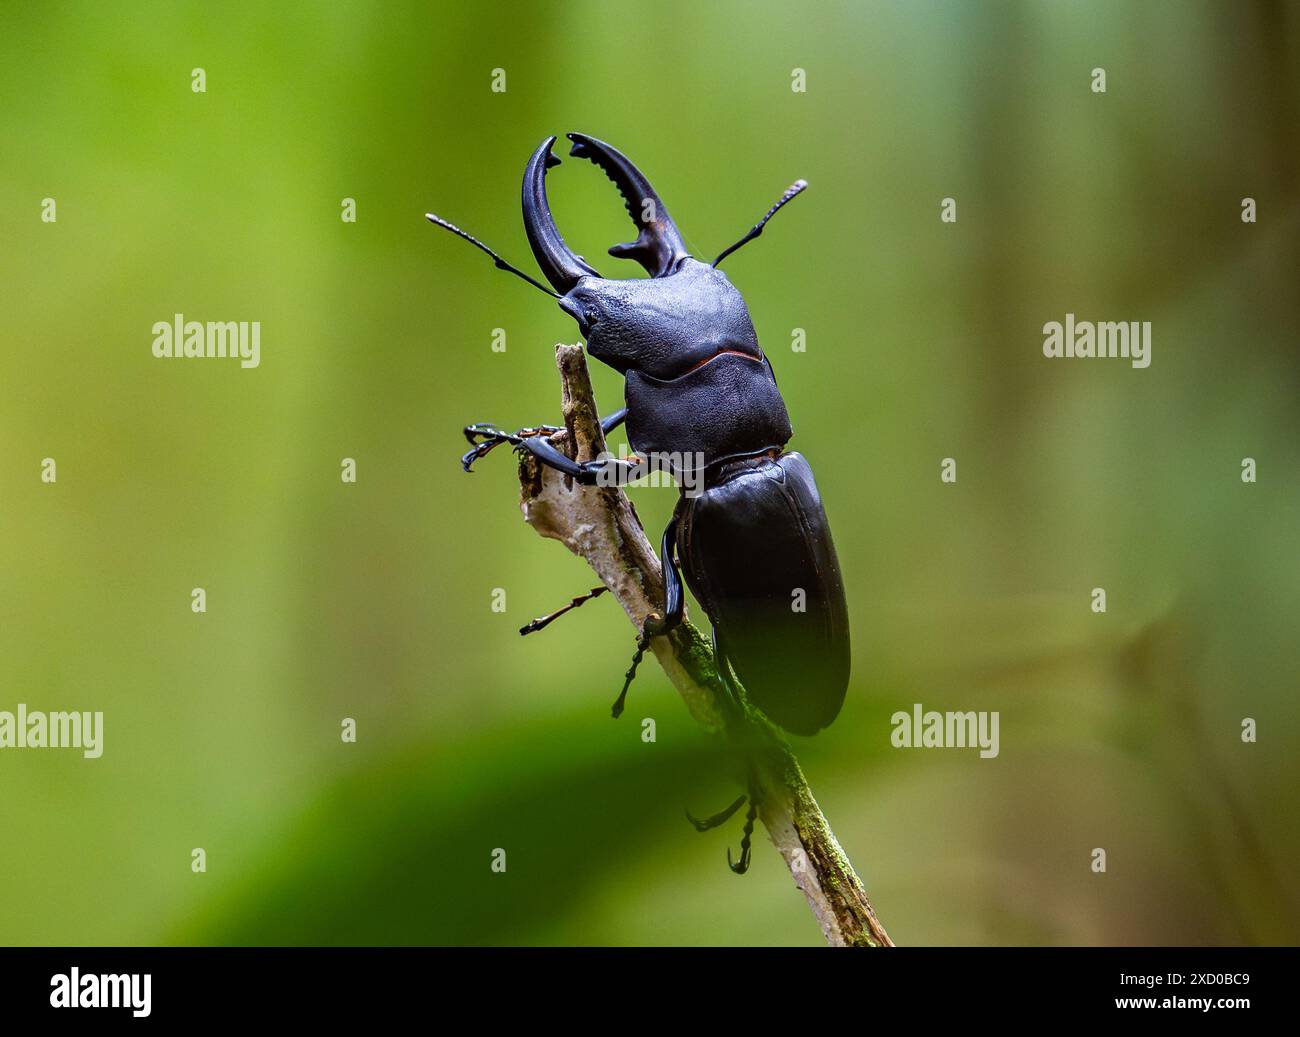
pixel 600 525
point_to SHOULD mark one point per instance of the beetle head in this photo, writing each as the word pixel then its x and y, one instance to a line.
pixel 685 313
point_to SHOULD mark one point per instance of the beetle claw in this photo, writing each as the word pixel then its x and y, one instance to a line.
pixel 480 429
pixel 741 866
pixel 492 437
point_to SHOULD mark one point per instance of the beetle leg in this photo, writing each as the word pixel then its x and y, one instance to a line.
pixel 720 818
pixel 479 450
pixel 484 437
pixel 723 816
pixel 545 621
pixel 655 625
pixel 741 866
pixel 608 471
pixel 609 424
pixel 674 598
pixel 642 643
pixel 725 671
pixel 486 430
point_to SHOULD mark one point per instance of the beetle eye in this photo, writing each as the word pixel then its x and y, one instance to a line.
pixel 589 314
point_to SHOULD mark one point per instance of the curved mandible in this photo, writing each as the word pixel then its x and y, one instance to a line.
pixel 558 262
pixel 659 247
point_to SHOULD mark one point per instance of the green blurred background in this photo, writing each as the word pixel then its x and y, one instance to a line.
pixel 372 600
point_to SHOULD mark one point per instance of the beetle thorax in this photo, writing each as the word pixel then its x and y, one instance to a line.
pixel 662 326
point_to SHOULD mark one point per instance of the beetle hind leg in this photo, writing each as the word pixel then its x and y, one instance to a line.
pixel 741 866
pixel 720 818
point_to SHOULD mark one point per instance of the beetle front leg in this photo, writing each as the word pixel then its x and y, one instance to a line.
pixel 484 437
pixel 608 471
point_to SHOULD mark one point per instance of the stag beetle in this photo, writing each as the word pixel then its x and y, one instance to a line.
pixel 754 546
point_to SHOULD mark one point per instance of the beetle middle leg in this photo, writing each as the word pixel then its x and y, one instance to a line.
pixel 541 622
pixel 656 625
pixel 733 700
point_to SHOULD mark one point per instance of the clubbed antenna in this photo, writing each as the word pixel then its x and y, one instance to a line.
pixel 500 263
pixel 790 192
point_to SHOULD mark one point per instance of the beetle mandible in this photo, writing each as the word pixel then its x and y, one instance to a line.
pixel 754 545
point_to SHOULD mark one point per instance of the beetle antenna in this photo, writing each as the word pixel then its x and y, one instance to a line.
pixel 501 263
pixel 790 192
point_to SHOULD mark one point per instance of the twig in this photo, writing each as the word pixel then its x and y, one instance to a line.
pixel 600 525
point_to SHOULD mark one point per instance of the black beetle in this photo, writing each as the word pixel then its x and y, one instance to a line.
pixel 754 545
